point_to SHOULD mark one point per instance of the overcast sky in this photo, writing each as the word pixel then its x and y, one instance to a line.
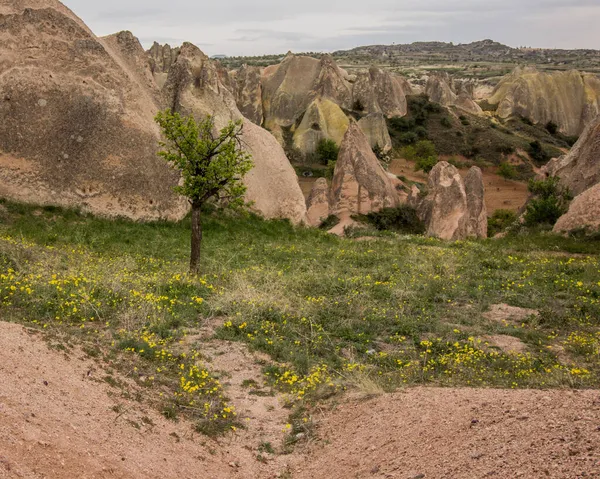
pixel 252 27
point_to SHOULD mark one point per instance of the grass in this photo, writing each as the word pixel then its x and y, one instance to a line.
pixel 331 313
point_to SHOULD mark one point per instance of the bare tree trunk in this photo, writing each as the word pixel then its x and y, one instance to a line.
pixel 196 240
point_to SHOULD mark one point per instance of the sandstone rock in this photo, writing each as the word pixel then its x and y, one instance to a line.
pixel 318 203
pixel 441 89
pixel 569 99
pixel 583 214
pixel 360 184
pixel 580 168
pixel 161 59
pixel 375 128
pixel 377 91
pixel 194 87
pixel 248 93
pixel 477 224
pixel 323 119
pixel 76 117
pixel 332 83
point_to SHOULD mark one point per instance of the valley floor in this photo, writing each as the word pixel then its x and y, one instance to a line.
pixel 59 419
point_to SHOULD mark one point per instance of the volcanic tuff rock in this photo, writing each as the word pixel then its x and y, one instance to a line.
pixel 584 213
pixel 248 93
pixel 375 128
pixel 451 210
pixel 580 168
pixel 194 87
pixel 161 59
pixel 360 184
pixel 569 99
pixel 76 117
pixel 441 89
pixel 318 203
pixel 378 91
pixel 477 224
pixel 323 119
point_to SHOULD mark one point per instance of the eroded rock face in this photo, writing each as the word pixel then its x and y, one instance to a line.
pixel 569 99
pixel 441 89
pixel 248 93
pixel 323 119
pixel 194 87
pixel 580 168
pixel 318 203
pixel 161 59
pixel 377 91
pixel 583 214
pixel 477 224
pixel 453 209
pixel 76 117
pixel 375 128
pixel 360 184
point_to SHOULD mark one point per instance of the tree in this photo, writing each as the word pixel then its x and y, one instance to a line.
pixel 211 165
pixel 327 150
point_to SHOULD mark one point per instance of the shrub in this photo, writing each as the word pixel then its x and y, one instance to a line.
pixel 445 122
pixel 550 202
pixel 552 128
pixel 327 150
pixel 537 152
pixel 421 132
pixel 500 220
pixel 329 222
pixel 426 164
pixel 402 123
pixel 464 120
pixel 402 219
pixel 408 138
pixel 330 170
pixel 507 171
pixel 527 121
pixel 425 149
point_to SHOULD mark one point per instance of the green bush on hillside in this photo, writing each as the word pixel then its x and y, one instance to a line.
pixel 500 221
pixel 507 171
pixel 550 202
pixel 327 150
pixel 402 219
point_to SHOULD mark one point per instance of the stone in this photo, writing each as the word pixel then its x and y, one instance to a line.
pixel 248 93
pixel 580 168
pixel 377 91
pixel 477 225
pixel 376 130
pixel 162 58
pixel 323 119
pixel 570 99
pixel 317 203
pixel 360 184
pixel 583 214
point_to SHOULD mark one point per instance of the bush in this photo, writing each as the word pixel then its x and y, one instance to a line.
pixel 500 220
pixel 327 150
pixel 552 128
pixel 537 152
pixel 464 120
pixel 403 219
pixel 508 171
pixel 421 132
pixel 329 222
pixel 426 164
pixel 550 202
pixel 425 149
pixel 445 122
pixel 401 123
pixel 408 138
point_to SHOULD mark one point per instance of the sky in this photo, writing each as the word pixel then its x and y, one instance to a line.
pixel 257 27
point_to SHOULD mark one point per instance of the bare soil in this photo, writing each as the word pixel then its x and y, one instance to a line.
pixel 60 419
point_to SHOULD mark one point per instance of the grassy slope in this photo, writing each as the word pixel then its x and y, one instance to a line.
pixel 330 312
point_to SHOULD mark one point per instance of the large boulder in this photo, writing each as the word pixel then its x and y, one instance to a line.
pixel 76 117
pixel 317 203
pixel 323 119
pixel 570 99
pixel 360 184
pixel 453 209
pixel 583 214
pixel 477 224
pixel 194 87
pixel 248 93
pixel 580 168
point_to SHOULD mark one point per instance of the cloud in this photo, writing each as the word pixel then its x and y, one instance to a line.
pixel 240 27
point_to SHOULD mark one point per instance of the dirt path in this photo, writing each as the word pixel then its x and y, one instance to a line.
pixel 59 419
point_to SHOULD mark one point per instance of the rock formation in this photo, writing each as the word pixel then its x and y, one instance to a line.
pixel 477 224
pixel 375 128
pixel 317 203
pixel 76 117
pixel 583 214
pixel 194 87
pixel 569 99
pixel 161 59
pixel 441 89
pixel 323 119
pixel 248 93
pixel 360 184
pixel 580 168
pixel 451 210
pixel 377 91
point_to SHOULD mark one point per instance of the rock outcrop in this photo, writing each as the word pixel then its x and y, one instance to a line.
pixel 477 224
pixel 194 87
pixel 580 168
pixel 317 203
pixel 451 210
pixel 323 119
pixel 375 128
pixel 162 58
pixel 583 214
pixel 377 91
pixel 360 184
pixel 248 93
pixel 441 89
pixel 569 99
pixel 76 118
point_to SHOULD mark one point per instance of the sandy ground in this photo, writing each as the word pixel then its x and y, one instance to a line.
pixel 58 419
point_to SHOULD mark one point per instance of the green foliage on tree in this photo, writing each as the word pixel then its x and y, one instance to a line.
pixel 327 150
pixel 552 128
pixel 211 165
pixel 550 202
pixel 507 171
pixel 403 219
pixel 500 221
